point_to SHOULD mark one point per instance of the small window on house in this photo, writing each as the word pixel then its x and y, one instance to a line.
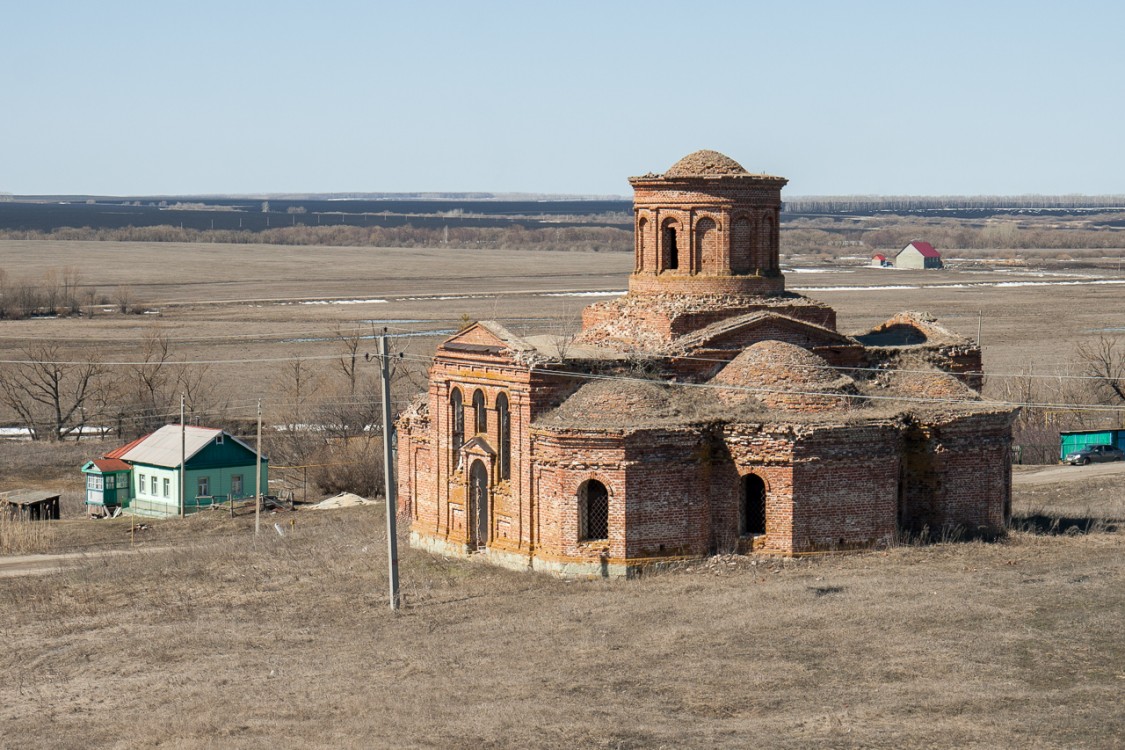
pixel 93 482
pixel 110 482
pixel 219 439
pixel 154 486
pixel 593 511
pixel 167 487
pixel 204 487
pixel 141 486
pixel 752 506
pixel 480 414
pixel 504 437
pixel 236 485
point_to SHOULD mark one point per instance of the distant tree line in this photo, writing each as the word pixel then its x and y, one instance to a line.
pixel 824 235
pixel 604 239
pixel 865 204
pixel 59 291
pixel 833 237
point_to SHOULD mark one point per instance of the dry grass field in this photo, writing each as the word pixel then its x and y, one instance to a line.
pixel 200 635
pixel 204 636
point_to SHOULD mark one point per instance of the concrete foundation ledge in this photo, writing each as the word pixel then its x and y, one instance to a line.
pixel 560 567
pixel 438 546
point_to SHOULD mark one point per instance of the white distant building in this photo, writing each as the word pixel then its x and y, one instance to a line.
pixel 918 255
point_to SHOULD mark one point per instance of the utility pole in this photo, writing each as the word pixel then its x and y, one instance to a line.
pixel 258 474
pixel 388 472
pixel 183 456
pixel 980 324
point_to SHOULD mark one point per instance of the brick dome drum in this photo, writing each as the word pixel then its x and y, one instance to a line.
pixel 705 163
pixel 707 227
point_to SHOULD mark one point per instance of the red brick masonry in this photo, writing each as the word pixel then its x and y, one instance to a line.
pixel 705 373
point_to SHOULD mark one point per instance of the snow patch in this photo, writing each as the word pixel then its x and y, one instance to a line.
pixel 581 294
pixel 343 302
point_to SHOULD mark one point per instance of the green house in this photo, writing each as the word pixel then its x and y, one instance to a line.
pixel 108 485
pixel 216 466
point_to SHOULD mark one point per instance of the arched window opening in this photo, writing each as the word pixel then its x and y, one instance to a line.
pixel 642 228
pixel 752 506
pixel 478 495
pixel 593 511
pixel 504 437
pixel 706 245
pixel 671 250
pixel 766 246
pixel 741 241
pixel 457 422
pixel 480 416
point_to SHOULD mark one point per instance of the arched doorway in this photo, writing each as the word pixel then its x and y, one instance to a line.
pixel 752 506
pixel 478 497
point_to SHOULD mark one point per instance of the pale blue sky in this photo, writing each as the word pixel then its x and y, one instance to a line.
pixel 560 97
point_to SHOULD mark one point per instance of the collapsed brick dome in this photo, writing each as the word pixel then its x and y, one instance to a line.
pixel 930 383
pixel 705 163
pixel 616 402
pixel 784 376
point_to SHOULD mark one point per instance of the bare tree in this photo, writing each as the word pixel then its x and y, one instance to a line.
pixel 124 298
pixel 50 290
pixel 70 278
pixel 348 342
pixel 52 398
pixel 203 397
pixel 1104 360
pixel 146 394
pixel 90 300
pixel 295 440
pixel 565 327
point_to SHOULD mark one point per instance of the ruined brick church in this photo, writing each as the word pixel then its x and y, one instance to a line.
pixel 706 411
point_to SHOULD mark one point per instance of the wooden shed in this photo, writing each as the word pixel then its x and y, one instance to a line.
pixel 31 505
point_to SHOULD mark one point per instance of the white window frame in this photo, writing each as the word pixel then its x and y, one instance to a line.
pixel 203 486
pixel 167 486
pixel 142 489
pixel 236 479
pixel 154 486
pixel 93 482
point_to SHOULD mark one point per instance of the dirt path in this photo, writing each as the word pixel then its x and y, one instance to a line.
pixel 26 565
pixel 1064 473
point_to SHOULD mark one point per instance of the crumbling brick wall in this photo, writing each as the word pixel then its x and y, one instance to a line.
pixel 845 479
pixel 564 459
pixel 957 474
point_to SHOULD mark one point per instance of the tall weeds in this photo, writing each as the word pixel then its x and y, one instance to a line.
pixel 19 536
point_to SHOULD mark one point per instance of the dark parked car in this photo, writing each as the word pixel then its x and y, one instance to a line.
pixel 1095 454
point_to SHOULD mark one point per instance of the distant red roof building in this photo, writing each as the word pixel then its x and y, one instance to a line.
pixel 918 254
pixel 926 249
